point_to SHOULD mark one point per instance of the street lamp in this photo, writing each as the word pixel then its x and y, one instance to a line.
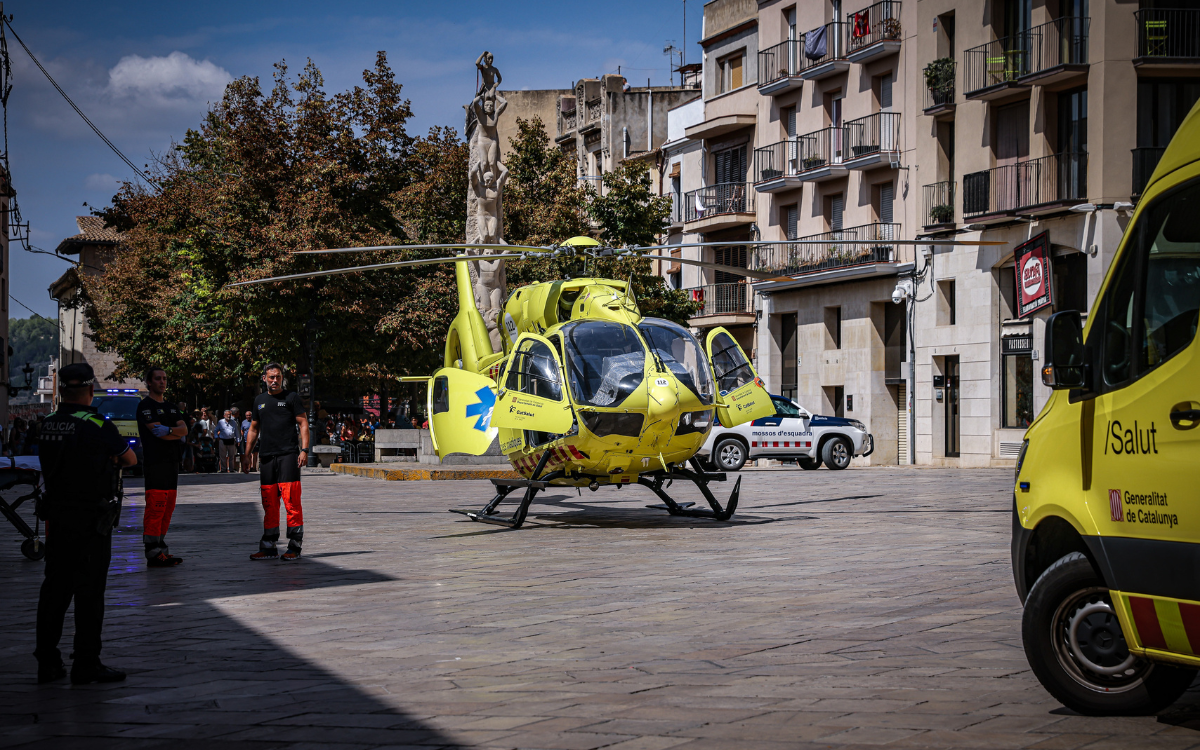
pixel 27 371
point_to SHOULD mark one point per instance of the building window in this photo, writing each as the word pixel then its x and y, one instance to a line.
pixel 787 352
pixel 729 71
pixel 787 118
pixel 1016 382
pixel 833 328
pixel 1070 282
pixel 730 165
pixel 729 256
pixel 834 206
pixel 946 302
pixel 790 219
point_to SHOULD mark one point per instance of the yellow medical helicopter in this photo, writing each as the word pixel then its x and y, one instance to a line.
pixel 587 392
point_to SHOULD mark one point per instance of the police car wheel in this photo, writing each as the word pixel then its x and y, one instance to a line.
pixel 1074 644
pixel 836 454
pixel 809 464
pixel 729 455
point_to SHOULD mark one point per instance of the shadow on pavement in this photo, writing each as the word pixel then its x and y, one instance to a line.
pixel 197 676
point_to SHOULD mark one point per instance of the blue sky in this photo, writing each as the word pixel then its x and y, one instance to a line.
pixel 146 71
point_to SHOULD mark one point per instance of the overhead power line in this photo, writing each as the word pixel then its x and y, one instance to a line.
pixel 75 107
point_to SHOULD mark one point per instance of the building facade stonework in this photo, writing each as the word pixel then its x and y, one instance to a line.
pixel 939 120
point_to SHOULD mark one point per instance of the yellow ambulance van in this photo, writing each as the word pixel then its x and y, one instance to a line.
pixel 1106 512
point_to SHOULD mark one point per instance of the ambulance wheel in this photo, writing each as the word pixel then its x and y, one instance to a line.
pixel 1074 644
pixel 729 455
pixel 34 549
pixel 809 464
pixel 836 453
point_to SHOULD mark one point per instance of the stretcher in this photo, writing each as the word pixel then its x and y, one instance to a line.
pixel 16 474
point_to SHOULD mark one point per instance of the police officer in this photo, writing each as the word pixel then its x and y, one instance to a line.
pixel 161 428
pixel 275 420
pixel 82 455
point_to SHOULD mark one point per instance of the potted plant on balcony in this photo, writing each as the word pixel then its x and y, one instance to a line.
pixel 939 79
pixel 891 28
pixel 812 162
pixel 941 214
pixel 769 174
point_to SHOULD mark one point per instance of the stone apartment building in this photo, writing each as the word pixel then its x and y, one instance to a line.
pixel 94 247
pixel 897 120
pixel 604 121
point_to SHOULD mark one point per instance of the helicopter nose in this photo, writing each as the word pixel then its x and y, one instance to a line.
pixel 663 404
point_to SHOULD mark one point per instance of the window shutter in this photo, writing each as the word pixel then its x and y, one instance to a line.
pixel 836 203
pixel 886 196
pixel 885 92
pixel 735 73
pixel 790 121
pixel 793 215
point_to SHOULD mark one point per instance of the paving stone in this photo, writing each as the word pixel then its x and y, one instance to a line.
pixel 854 609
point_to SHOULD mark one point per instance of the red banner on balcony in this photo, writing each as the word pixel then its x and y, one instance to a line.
pixel 1033 275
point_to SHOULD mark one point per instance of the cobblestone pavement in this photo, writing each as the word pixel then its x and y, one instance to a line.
pixel 863 608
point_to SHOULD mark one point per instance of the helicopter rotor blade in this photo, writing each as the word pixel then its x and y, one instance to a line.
pixel 762 275
pixel 840 241
pixel 375 267
pixel 459 246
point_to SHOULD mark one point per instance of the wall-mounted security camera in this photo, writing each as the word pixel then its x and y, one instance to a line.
pixel 902 291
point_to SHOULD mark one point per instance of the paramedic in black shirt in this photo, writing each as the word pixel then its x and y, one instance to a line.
pixel 82 455
pixel 162 429
pixel 275 420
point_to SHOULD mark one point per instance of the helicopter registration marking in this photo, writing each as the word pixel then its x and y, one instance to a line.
pixel 661 382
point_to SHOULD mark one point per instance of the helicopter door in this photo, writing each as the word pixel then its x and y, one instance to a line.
pixel 532 397
pixel 460 412
pixel 741 396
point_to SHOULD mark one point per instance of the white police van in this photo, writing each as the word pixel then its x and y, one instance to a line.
pixel 792 433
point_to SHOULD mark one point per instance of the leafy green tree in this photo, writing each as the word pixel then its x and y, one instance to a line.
pixel 267 174
pixel 33 340
pixel 629 213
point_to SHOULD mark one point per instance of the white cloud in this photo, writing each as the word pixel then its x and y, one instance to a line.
pixel 105 182
pixel 174 80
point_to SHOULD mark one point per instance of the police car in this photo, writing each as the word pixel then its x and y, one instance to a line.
pixel 120 406
pixel 792 433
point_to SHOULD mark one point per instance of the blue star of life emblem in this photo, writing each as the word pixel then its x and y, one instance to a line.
pixel 483 409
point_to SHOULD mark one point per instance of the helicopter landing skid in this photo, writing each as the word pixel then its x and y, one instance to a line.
pixel 503 488
pixel 700 478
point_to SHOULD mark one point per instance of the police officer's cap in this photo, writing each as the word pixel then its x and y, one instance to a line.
pixel 76 375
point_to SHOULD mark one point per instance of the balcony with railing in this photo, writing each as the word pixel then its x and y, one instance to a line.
pixel 736 298
pixel 779 68
pixel 827 251
pixel 1057 51
pixel 813 157
pixel 874 31
pixel 939 205
pixel 714 207
pixel 1168 36
pixel 1033 187
pixel 992 69
pixel 939 87
pixel 824 52
pixel 1144 162
pixel 872 141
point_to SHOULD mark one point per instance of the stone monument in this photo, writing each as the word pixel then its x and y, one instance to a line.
pixel 485 194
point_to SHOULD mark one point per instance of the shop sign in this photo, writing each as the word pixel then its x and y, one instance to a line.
pixel 1033 275
pixel 1016 344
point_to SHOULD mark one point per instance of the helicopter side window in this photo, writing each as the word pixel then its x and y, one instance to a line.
pixel 680 353
pixel 535 372
pixel 605 361
pixel 733 371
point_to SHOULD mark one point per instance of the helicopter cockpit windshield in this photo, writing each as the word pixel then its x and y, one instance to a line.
pixel 605 361
pixel 680 353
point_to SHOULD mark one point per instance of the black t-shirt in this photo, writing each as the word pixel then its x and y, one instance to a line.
pixel 156 450
pixel 275 417
pixel 75 444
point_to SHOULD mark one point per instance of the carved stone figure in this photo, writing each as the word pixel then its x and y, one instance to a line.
pixel 485 199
